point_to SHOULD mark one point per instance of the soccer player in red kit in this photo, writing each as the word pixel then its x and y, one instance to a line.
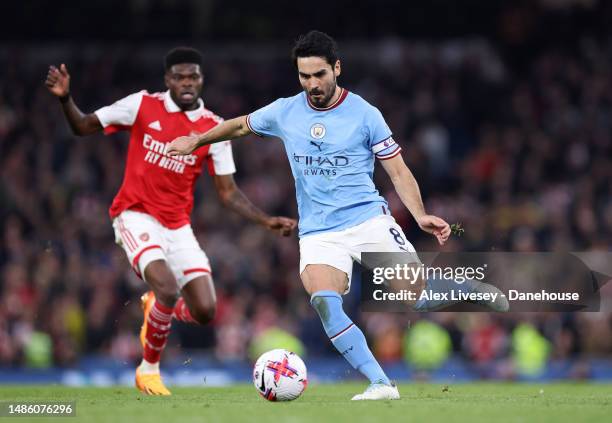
pixel 151 211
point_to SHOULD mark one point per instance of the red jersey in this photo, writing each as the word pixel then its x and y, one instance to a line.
pixel 155 183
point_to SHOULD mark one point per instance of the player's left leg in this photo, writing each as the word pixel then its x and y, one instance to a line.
pixel 198 301
pixel 191 268
pixel 325 269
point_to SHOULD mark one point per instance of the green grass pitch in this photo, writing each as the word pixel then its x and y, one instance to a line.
pixel 473 402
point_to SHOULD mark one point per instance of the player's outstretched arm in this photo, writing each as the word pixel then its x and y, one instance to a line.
pixel 58 83
pixel 408 191
pixel 233 198
pixel 227 130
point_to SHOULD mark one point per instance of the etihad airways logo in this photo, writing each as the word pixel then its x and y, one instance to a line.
pixel 157 153
pixel 324 165
pixel 329 161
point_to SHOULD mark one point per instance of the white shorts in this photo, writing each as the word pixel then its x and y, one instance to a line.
pixel 144 240
pixel 380 234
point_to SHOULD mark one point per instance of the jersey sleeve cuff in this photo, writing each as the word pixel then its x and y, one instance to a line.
pixel 390 155
pixel 107 127
pixel 248 122
pixel 111 129
pixel 102 117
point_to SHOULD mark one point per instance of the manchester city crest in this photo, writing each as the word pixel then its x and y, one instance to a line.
pixel 317 131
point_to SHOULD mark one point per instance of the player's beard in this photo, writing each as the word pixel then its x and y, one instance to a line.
pixel 324 102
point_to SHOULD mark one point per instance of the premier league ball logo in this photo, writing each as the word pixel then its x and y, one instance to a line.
pixel 317 131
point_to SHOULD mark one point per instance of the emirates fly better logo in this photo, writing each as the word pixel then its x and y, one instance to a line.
pixel 157 153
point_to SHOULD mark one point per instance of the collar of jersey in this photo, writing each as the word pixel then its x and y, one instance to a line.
pixel 171 107
pixel 343 94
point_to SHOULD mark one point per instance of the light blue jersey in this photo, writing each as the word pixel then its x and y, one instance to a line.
pixel 331 152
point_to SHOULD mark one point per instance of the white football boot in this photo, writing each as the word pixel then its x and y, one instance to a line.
pixel 378 391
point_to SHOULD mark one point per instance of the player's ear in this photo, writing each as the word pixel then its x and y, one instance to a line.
pixel 167 79
pixel 337 68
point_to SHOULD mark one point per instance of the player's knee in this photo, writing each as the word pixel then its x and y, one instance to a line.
pixel 167 297
pixel 324 278
pixel 166 292
pixel 162 281
pixel 204 311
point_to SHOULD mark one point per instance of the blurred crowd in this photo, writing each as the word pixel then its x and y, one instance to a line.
pixel 522 158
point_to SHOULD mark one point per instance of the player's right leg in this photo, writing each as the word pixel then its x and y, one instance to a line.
pixel 140 236
pixel 158 309
pixel 325 271
pixel 186 267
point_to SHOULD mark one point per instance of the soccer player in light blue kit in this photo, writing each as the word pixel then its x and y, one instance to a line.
pixel 332 137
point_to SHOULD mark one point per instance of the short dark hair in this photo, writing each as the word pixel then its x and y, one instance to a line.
pixel 182 55
pixel 315 43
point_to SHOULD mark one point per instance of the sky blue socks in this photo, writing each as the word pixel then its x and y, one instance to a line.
pixel 346 336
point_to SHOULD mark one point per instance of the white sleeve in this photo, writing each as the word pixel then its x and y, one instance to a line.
pixel 122 112
pixel 221 159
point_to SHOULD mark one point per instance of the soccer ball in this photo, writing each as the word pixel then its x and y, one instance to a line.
pixel 280 375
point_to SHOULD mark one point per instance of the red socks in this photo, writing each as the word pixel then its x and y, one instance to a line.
pixel 181 312
pixel 158 329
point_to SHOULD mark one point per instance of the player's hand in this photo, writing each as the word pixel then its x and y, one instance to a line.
pixel 435 226
pixel 58 81
pixel 283 225
pixel 182 146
